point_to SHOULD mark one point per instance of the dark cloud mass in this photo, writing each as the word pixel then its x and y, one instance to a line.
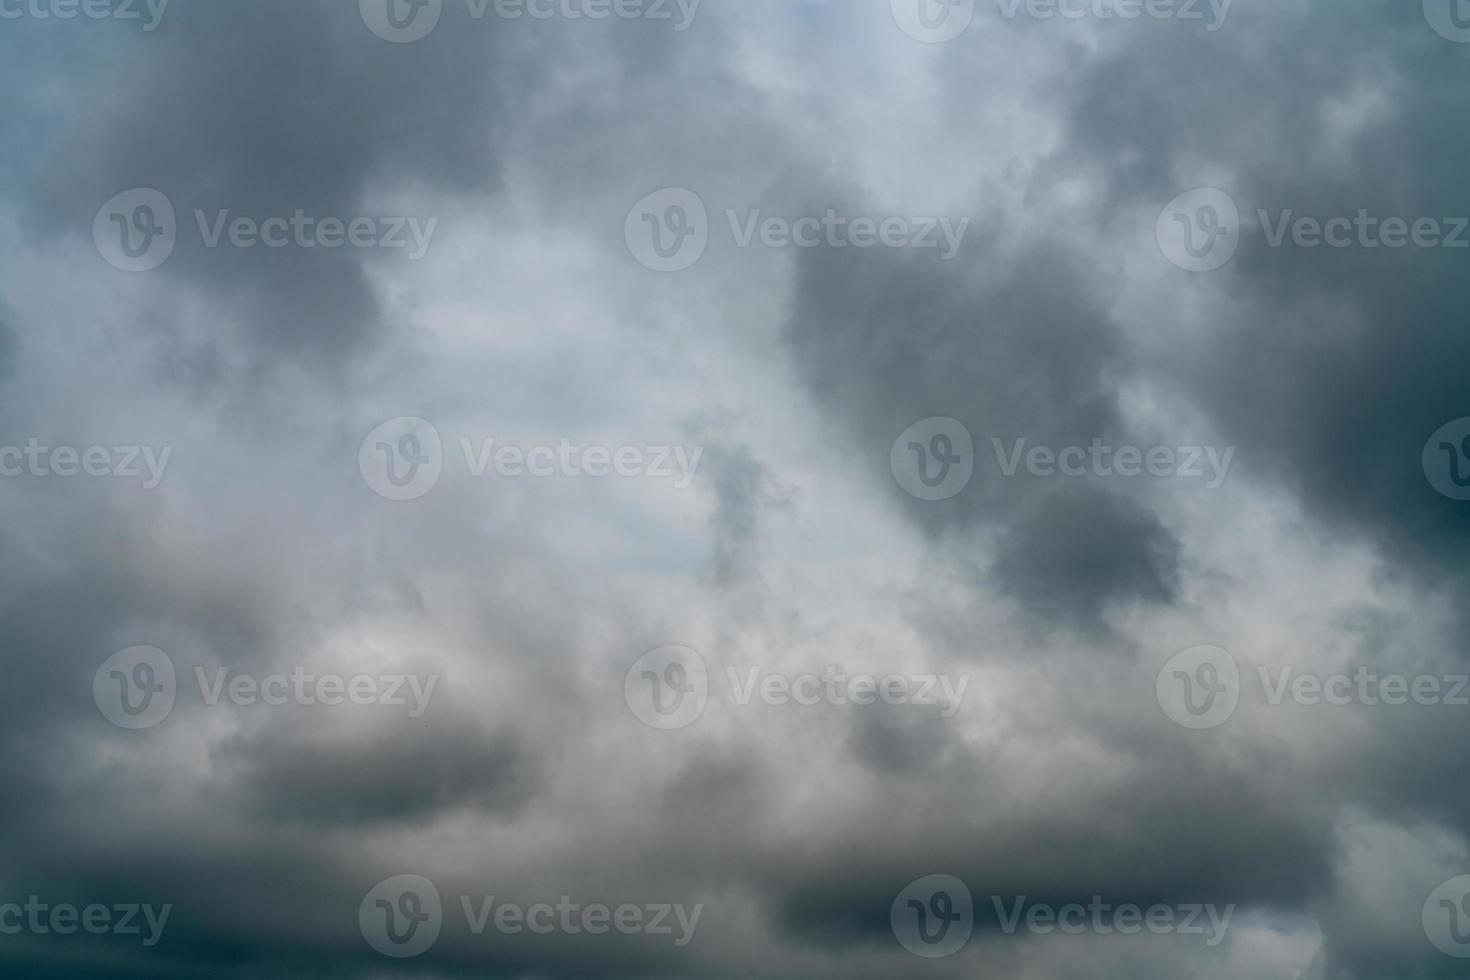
pixel 835 488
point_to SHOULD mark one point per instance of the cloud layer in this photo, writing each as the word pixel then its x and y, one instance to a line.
pixel 678 531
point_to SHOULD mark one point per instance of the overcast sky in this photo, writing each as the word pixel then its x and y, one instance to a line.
pixel 868 478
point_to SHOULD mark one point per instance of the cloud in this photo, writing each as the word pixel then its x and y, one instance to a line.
pixel 794 549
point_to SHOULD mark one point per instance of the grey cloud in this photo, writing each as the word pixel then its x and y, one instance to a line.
pixel 885 340
pixel 1074 553
pixel 1059 780
pixel 402 770
pixel 264 108
pixel 1333 367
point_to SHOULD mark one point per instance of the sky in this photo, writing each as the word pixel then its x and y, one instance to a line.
pixel 703 489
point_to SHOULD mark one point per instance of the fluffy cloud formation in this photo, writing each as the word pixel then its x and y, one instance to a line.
pixel 899 479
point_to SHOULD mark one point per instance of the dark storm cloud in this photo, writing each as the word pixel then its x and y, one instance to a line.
pixel 1076 551
pixel 1334 366
pixel 266 107
pixel 1059 780
pixel 897 739
pixel 1014 346
pixel 400 771
pixel 1167 821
